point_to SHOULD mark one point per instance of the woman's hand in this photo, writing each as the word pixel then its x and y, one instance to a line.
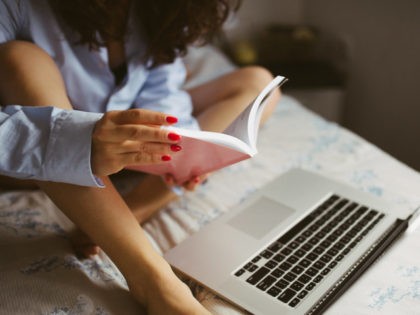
pixel 122 138
pixel 190 184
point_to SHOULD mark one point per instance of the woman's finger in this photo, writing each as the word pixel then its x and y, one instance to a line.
pixel 146 147
pixel 143 158
pixel 142 133
pixel 141 116
pixel 193 182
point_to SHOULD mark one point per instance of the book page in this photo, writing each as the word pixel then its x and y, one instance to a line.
pixel 246 125
pixel 217 138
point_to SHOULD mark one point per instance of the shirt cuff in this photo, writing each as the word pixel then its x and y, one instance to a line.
pixel 69 148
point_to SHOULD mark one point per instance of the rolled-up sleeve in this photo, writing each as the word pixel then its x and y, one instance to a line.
pixel 163 92
pixel 47 143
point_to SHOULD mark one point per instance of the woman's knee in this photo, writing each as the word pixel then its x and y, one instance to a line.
pixel 16 56
pixel 29 76
pixel 257 78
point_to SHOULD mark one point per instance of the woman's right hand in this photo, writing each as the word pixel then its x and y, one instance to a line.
pixel 122 138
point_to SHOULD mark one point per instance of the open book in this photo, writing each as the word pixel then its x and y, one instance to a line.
pixel 203 151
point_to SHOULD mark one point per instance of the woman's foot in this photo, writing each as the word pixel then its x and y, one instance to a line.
pixel 82 244
pixel 166 294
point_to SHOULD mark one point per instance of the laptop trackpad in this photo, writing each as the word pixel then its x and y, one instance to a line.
pixel 260 217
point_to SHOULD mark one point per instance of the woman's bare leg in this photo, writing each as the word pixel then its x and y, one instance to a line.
pixel 108 221
pixel 30 77
pixel 218 102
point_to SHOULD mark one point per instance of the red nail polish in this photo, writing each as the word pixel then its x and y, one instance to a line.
pixel 196 180
pixel 173 136
pixel 166 158
pixel 175 148
pixel 171 119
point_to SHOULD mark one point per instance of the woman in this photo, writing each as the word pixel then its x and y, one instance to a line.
pixel 84 87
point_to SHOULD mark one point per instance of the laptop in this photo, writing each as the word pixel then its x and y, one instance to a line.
pixel 293 247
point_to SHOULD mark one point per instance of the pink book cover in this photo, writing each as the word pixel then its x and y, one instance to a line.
pixel 197 157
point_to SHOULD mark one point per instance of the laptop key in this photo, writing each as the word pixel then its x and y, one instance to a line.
pixel 300 253
pixel 285 266
pixel 258 275
pixel 279 257
pixel 332 264
pixel 297 269
pixel 290 276
pixel 293 245
pixel 304 263
pixel 282 284
pixel 300 239
pixel 266 254
pixel 240 272
pixel 275 247
pixel 286 251
pixel 277 273
pixel 318 279
pixel 274 291
pixel 271 264
pixel 266 283
pixel 292 260
pixel 319 265
pixel 297 286
pixel 295 230
pixel 310 286
pixel 304 278
pixel 256 259
pixel 307 247
pixel 326 258
pixel 312 271
pixel 311 256
pixel 319 250
pixel 287 295
pixel 294 302
pixel 302 294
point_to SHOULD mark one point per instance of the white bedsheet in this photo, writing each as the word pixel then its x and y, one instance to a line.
pixel 39 273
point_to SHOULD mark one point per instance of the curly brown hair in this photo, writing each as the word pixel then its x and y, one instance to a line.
pixel 168 26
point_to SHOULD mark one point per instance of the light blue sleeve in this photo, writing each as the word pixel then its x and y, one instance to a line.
pixel 163 92
pixel 47 143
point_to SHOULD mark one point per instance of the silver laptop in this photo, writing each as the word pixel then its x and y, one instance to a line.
pixel 293 247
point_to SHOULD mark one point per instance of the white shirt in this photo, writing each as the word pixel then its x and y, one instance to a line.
pixel 48 143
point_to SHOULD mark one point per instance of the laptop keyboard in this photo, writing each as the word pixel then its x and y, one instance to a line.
pixel 292 266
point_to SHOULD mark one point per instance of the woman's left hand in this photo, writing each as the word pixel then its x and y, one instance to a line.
pixel 189 185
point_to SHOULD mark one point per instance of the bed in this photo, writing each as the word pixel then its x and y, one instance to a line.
pixel 39 273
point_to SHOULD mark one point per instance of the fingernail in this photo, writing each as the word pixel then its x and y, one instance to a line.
pixel 175 148
pixel 173 136
pixel 166 158
pixel 196 180
pixel 171 119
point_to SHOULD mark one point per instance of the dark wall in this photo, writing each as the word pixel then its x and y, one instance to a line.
pixel 383 99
